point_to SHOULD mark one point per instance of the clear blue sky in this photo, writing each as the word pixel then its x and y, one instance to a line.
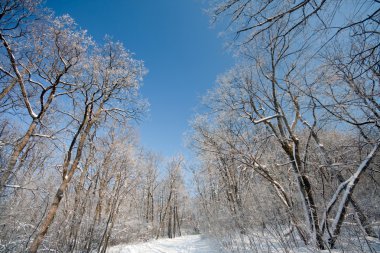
pixel 181 52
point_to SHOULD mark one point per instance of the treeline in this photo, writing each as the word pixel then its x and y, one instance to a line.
pixel 73 177
pixel 289 147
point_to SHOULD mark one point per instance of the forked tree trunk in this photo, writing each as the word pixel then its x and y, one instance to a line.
pixel 362 218
pixel 35 118
pixel 349 189
pixel 49 218
pixel 307 197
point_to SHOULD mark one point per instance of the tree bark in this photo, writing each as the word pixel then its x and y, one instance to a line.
pixel 16 153
pixel 48 220
pixel 350 187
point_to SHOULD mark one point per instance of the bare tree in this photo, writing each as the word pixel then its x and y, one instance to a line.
pixel 170 205
pixel 112 77
pixel 51 61
pixel 16 18
pixel 289 95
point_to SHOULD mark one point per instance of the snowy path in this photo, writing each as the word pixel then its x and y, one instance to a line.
pixel 184 244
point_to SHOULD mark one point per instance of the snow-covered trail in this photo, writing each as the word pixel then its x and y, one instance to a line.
pixel 184 244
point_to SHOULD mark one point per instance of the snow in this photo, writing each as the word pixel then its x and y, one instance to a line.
pixel 200 244
pixel 184 244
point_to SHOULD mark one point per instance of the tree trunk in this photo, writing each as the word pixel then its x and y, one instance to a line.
pixel 307 197
pixel 170 217
pixel 15 154
pixel 48 220
pixel 362 218
pixel 350 187
pixel 79 208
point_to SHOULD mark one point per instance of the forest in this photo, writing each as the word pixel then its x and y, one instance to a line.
pixel 286 147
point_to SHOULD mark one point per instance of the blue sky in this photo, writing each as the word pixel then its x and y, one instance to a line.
pixel 181 52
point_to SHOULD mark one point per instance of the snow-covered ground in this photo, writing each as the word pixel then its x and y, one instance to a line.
pixel 200 244
pixel 184 244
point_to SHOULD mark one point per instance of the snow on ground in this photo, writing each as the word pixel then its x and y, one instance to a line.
pixel 184 244
pixel 200 244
